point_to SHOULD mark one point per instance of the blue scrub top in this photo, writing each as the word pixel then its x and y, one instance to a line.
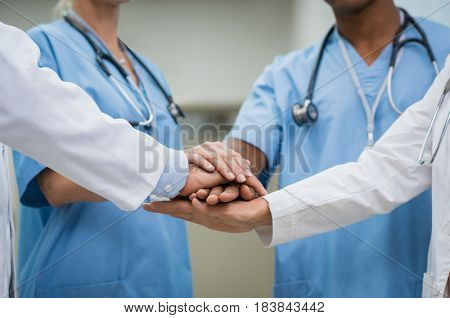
pixel 95 249
pixel 387 255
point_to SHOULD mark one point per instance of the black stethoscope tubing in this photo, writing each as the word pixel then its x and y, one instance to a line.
pixel 100 56
pixel 307 113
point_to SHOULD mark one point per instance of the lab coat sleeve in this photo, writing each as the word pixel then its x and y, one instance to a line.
pixel 383 178
pixel 59 125
pixel 26 168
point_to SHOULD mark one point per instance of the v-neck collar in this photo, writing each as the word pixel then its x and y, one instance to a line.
pixel 380 64
pixel 74 15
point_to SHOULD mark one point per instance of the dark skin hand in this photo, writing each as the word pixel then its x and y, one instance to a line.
pixel 233 217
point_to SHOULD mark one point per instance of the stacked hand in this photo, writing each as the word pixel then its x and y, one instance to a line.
pixel 221 192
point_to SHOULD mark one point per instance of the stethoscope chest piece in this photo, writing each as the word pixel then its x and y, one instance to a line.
pixel 176 111
pixel 305 114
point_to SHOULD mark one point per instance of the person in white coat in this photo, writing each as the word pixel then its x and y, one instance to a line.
pixel 383 178
pixel 59 125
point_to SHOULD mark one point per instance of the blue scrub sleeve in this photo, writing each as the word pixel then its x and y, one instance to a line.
pixel 259 120
pixel 28 169
pixel 47 59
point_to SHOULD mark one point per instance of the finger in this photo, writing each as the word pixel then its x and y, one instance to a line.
pixel 224 168
pixel 236 169
pixel 201 179
pixel 213 197
pixel 199 205
pixel 202 194
pixel 247 193
pixel 231 193
pixel 254 183
pixel 238 165
pixel 215 157
pixel 229 157
pixel 192 196
pixel 245 166
pixel 175 206
pixel 201 162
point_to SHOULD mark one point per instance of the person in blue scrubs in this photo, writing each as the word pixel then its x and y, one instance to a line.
pixel 70 245
pixel 385 256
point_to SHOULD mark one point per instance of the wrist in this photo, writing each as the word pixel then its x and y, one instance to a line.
pixel 191 179
pixel 263 214
pixel 174 177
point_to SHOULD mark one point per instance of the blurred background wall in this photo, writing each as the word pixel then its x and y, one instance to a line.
pixel 211 51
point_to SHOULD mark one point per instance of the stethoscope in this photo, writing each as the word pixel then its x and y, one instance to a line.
pixel 439 104
pixel 100 56
pixel 306 113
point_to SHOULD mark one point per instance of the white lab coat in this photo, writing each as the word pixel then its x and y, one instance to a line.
pixel 383 178
pixel 59 125
pixel 6 227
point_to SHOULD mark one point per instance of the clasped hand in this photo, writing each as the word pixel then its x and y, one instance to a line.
pixel 221 192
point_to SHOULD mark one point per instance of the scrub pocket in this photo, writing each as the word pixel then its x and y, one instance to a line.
pixel 295 289
pixel 109 289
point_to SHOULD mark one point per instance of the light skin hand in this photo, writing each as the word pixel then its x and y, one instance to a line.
pixel 215 155
pixel 231 192
pixel 233 217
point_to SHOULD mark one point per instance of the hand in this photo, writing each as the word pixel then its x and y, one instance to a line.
pixel 228 193
pixel 234 217
pixel 216 156
pixel 201 179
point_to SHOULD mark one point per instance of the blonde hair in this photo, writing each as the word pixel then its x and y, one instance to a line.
pixel 61 8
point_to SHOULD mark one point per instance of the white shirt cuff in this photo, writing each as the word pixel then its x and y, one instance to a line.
pixel 174 176
pixel 284 219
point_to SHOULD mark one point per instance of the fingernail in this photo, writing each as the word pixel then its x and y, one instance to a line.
pixel 211 168
pixel 241 178
pixel 248 172
pixel 230 176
